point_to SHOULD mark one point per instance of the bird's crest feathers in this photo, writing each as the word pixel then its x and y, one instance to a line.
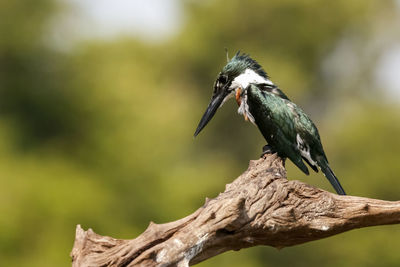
pixel 240 62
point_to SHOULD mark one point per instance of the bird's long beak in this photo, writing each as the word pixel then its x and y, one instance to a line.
pixel 210 111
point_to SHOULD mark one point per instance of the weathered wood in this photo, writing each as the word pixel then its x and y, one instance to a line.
pixel 261 207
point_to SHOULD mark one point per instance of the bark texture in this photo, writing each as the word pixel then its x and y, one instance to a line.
pixel 261 207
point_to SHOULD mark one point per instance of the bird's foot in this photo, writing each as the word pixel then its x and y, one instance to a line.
pixel 267 150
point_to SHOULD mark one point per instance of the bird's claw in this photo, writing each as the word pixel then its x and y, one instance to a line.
pixel 267 150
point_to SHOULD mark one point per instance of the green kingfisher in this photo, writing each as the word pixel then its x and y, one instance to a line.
pixel 286 127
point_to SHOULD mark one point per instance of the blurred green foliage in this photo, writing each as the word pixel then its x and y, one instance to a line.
pixel 101 135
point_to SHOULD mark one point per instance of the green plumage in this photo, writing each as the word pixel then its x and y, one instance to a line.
pixel 287 129
pixel 283 123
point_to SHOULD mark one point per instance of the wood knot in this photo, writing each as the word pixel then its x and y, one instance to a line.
pixel 366 207
pixel 224 232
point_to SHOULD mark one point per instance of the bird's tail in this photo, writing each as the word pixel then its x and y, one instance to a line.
pixel 332 178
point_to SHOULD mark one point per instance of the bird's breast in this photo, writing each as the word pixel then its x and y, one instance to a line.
pixel 241 99
pixel 238 97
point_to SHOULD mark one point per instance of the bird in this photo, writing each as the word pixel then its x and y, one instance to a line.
pixel 288 130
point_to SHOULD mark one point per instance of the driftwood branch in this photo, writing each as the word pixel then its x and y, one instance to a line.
pixel 261 207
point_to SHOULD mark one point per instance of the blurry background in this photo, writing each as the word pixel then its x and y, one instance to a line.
pixel 99 101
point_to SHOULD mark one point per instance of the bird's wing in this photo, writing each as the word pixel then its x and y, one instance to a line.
pixel 273 89
pixel 307 137
pixel 311 150
pixel 289 130
pixel 276 122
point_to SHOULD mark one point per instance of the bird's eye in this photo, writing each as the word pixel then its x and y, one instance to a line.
pixel 223 79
